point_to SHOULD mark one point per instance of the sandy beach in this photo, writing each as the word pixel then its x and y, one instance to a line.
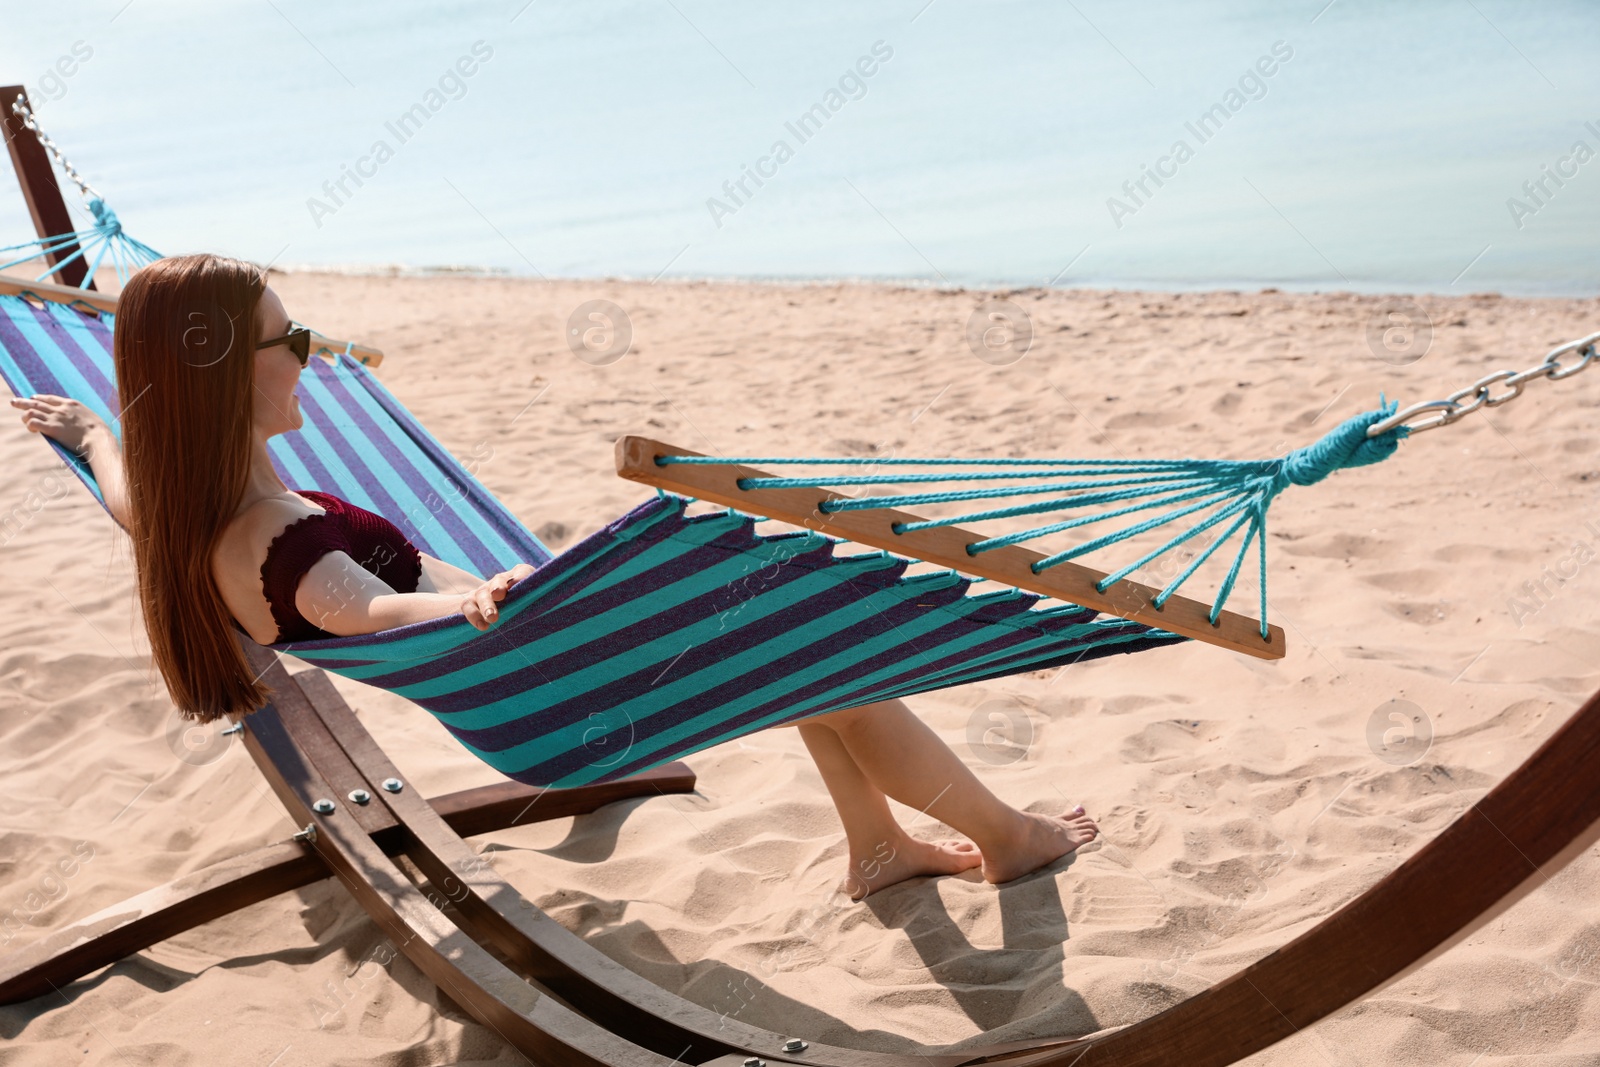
pixel 1239 800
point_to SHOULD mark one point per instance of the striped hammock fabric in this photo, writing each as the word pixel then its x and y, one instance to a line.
pixel 658 636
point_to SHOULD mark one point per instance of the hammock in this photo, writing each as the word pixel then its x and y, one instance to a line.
pixel 658 636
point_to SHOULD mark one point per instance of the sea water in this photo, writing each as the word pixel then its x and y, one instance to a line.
pixel 1428 146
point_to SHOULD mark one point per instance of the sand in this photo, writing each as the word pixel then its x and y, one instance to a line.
pixel 1240 801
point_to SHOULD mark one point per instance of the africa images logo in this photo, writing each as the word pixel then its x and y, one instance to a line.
pixel 852 85
pixel 1252 85
pixel 404 127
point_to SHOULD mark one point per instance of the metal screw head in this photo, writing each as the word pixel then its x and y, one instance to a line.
pixel 229 731
pixel 393 785
pixel 322 806
pixel 794 1044
pixel 308 835
pixel 360 796
pixel 754 1061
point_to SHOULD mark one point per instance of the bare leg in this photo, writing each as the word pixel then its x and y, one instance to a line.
pixel 881 852
pixel 895 753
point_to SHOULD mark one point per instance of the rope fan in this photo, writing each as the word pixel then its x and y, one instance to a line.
pixel 104 236
pixel 1188 498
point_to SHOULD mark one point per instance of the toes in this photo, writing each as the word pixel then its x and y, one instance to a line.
pixel 1081 827
pixel 953 845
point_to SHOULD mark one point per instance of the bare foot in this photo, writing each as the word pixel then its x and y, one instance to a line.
pixel 1040 840
pixel 904 858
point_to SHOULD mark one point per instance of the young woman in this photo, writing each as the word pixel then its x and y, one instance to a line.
pixel 207 361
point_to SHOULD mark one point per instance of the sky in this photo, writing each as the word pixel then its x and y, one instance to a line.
pixel 1390 148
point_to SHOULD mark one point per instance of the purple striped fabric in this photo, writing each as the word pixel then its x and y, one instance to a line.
pixel 554 715
pixel 320 475
pixel 527 548
pixel 709 602
pixel 483 559
pixel 908 682
pixel 37 373
pixel 368 479
pixel 582 681
pixel 90 368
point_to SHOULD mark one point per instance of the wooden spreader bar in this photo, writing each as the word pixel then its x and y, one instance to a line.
pixel 945 546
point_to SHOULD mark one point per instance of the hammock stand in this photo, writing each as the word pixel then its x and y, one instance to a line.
pixel 563 1002
pixel 553 996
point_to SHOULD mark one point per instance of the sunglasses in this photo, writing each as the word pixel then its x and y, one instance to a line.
pixel 299 340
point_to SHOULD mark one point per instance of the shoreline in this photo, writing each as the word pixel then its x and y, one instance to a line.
pixel 896 282
pixel 105 280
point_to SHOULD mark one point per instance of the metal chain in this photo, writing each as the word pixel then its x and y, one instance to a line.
pixel 20 108
pixel 1464 402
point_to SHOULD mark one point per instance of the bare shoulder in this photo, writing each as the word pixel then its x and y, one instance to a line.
pixel 240 552
pixel 247 536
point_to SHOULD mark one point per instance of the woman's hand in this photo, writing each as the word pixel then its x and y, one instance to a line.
pixel 479 605
pixel 69 422
pixel 344 598
pixel 83 433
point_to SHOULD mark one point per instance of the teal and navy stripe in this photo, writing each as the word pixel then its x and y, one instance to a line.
pixel 657 636
pixel 664 634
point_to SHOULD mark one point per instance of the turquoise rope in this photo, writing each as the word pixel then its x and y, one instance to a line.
pixel 1242 490
pixel 1166 593
pixel 106 232
pixel 868 503
pixel 1233 575
pixel 1106 582
pixel 1040 531
pixel 900 479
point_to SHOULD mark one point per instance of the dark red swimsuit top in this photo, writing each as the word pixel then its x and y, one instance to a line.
pixel 371 540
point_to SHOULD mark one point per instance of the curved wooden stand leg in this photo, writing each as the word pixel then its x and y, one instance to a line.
pixel 137 923
pixel 1508 843
pixel 575 1001
pixel 551 954
pixel 1544 814
pixel 155 915
pixel 523 1015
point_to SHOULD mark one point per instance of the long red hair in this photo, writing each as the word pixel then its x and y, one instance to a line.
pixel 184 349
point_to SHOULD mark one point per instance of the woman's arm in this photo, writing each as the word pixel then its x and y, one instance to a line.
pixel 81 431
pixel 441 577
pixel 344 598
